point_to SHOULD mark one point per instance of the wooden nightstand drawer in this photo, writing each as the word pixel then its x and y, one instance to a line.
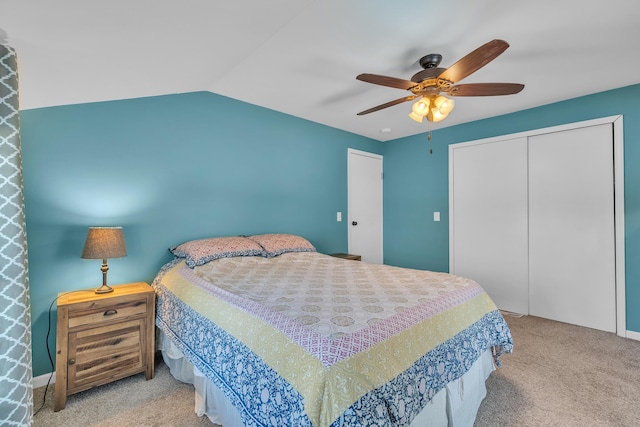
pixel 87 314
pixel 103 337
pixel 96 352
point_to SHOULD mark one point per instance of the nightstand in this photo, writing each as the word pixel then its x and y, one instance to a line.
pixel 348 256
pixel 103 337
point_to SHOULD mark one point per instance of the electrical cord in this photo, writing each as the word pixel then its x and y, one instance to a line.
pixel 44 398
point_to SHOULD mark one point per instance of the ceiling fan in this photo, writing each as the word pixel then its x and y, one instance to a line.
pixel 428 85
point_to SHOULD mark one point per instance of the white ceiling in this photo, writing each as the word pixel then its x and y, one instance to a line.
pixel 301 57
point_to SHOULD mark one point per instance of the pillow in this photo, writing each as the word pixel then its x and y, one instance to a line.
pixel 276 244
pixel 199 252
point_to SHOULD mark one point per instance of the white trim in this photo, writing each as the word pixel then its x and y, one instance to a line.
pixel 618 154
pixel 618 176
pixel 541 131
pixel 42 380
pixel 364 153
pixel 633 335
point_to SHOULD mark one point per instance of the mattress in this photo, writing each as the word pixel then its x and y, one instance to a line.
pixel 306 339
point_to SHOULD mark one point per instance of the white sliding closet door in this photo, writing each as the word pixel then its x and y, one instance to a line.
pixel 488 188
pixel 571 227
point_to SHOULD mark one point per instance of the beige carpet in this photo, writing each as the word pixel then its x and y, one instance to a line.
pixel 133 401
pixel 564 375
pixel 559 375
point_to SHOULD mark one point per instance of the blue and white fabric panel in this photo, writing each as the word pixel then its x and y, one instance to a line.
pixel 16 393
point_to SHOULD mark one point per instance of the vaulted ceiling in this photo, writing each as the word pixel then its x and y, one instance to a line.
pixel 301 57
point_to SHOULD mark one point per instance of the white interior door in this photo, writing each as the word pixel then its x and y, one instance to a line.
pixel 488 209
pixel 571 227
pixel 365 205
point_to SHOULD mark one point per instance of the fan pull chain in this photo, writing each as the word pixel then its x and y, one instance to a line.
pixel 429 138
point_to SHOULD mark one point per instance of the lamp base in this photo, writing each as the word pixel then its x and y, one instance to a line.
pixel 104 289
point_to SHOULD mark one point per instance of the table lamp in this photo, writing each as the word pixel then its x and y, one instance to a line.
pixel 103 243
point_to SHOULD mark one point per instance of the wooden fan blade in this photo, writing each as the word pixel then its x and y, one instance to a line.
pixel 386 81
pixel 475 60
pixel 485 89
pixel 388 104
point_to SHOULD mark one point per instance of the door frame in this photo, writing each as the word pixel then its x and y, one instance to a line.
pixel 618 176
pixel 352 151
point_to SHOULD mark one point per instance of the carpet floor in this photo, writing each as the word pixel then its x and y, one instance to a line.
pixel 559 375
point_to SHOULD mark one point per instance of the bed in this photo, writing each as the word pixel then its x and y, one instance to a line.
pixel 273 333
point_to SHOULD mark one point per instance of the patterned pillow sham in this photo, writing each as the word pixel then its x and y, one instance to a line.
pixel 277 244
pixel 199 252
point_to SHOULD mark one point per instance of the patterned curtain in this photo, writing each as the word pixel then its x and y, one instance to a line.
pixel 16 393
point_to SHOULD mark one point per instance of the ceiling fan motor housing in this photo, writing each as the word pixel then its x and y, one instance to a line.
pixel 428 73
pixel 430 61
pixel 430 64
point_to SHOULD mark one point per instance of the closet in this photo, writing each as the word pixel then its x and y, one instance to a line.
pixel 533 220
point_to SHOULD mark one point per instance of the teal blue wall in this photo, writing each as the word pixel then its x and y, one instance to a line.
pixel 169 169
pixel 177 167
pixel 416 183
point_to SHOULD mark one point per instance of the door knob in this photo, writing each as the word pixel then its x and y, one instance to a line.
pixel 354 223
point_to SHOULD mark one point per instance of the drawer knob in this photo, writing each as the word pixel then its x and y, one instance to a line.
pixel 110 312
pixel 72 361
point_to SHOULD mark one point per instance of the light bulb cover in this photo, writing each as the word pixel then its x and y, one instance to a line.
pixel 436 116
pixel 421 106
pixel 444 104
pixel 416 117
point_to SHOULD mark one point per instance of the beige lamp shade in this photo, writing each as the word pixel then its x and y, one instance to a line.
pixel 104 242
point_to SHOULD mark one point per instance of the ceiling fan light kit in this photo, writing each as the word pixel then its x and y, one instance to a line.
pixel 428 84
pixel 435 108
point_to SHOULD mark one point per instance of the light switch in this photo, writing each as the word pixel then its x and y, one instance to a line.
pixel 339 217
pixel 436 216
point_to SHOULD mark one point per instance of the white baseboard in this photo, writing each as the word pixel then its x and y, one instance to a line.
pixel 41 381
pixel 633 335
